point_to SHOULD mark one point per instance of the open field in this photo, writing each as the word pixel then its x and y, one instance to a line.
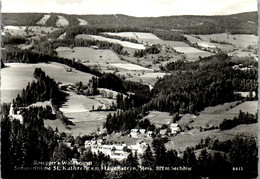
pixel 191 50
pixel 135 35
pixel 146 78
pixel 77 109
pixel 130 35
pixel 43 20
pixel 129 66
pixel 192 53
pixel 205 43
pixel 82 21
pixel 238 40
pixel 43 104
pixel 189 139
pixel 80 103
pixel 85 123
pixel 153 75
pixel 213 116
pixel 16 76
pixel 243 53
pixel 143 35
pixel 62 36
pixel 244 129
pixel 62 22
pixel 159 118
pixel 192 39
pixel 248 106
pixel 32 30
pixel 88 55
pixel 84 36
pixel 123 43
pixel 174 43
pixel 192 137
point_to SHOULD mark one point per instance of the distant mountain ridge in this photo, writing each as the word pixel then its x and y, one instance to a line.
pixel 236 23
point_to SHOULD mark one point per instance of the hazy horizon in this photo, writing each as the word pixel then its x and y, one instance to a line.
pixel 131 15
pixel 136 8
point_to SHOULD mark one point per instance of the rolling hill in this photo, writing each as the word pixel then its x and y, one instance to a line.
pixel 245 23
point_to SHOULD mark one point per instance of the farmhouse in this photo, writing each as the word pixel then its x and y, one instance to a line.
pixel 174 128
pixel 94 47
pixel 134 133
pixel 163 132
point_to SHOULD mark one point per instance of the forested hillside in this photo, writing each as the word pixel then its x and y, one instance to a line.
pixel 236 24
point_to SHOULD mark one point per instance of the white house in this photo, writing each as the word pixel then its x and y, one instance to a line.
pixel 134 133
pixel 14 116
pixel 175 128
pixel 142 131
pixel 163 131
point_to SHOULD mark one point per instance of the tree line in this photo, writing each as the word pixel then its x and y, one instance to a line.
pixel 27 56
pixel 149 50
pixel 243 118
pixel 12 40
pixel 43 89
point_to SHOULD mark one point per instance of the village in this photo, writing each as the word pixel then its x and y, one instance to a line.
pixel 120 150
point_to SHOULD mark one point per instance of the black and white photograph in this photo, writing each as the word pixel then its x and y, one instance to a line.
pixel 122 89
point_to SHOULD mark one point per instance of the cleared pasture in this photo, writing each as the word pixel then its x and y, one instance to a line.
pixel 192 137
pixel 84 123
pixel 206 45
pixel 43 104
pixel 88 55
pixel 242 53
pixel 80 103
pixel 248 106
pixel 123 34
pixel 244 129
pixel 16 76
pixel 189 139
pixel 123 43
pixel 159 118
pixel 214 116
pixel 192 50
pixel 84 36
pixel 144 35
pixel 129 66
pixel 77 109
pixel 32 30
pixel 204 42
pixel 43 20
pixel 135 35
pixel 153 75
pixel 82 22
pixel 62 36
pixel 192 39
pixel 238 40
pixel 62 22
pixel 174 43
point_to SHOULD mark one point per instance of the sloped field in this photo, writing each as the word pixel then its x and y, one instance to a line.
pixel 62 22
pixel 43 20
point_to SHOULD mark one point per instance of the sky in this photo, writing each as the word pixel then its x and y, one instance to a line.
pixel 139 8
